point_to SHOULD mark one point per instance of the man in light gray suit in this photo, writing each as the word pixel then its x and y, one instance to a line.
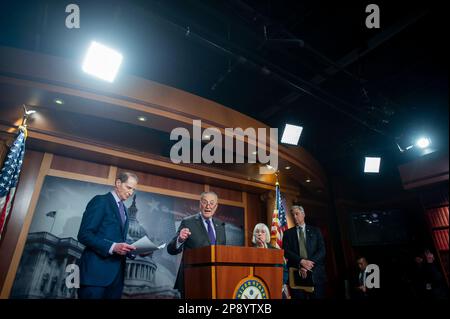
pixel 198 231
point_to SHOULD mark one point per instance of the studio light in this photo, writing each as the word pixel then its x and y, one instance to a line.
pixel 372 165
pixel 423 142
pixel 291 134
pixel 421 145
pixel 102 62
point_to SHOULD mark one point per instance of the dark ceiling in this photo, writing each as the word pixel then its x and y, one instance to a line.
pixel 356 91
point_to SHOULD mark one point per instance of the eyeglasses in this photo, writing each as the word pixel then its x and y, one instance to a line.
pixel 205 203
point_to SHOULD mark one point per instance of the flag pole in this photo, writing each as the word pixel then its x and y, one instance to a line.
pixel 273 235
pixel 276 177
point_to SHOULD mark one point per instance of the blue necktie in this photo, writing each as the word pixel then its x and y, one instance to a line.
pixel 122 212
pixel 212 237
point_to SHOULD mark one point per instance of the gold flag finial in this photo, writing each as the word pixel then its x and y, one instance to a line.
pixel 26 114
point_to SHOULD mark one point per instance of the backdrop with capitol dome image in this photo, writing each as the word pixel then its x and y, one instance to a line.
pixel 52 239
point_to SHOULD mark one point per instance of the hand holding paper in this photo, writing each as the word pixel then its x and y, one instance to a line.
pixel 144 246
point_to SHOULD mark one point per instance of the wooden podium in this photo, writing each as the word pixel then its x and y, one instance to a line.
pixel 230 272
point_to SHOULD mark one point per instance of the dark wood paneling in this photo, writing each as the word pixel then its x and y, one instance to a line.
pixel 202 255
pixel 230 276
pixel 30 172
pixel 198 282
pixel 3 149
pixel 143 162
pixel 233 254
pixel 256 213
pixel 168 183
pixel 227 279
pixel 232 265
pixel 248 255
pixel 228 194
pixel 272 277
pixel 98 170
pixel 81 167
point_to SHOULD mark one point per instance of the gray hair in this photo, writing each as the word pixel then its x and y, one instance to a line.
pixel 300 208
pixel 261 226
pixel 206 193
pixel 124 176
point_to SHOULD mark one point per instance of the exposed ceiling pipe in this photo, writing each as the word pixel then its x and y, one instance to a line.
pixel 349 58
pixel 261 65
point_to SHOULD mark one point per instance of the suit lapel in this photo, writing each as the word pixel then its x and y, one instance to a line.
pixel 125 227
pixel 202 229
pixel 309 239
pixel 219 232
pixel 115 209
pixel 294 238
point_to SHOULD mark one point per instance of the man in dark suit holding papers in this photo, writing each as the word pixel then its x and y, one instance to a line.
pixel 304 250
pixel 103 231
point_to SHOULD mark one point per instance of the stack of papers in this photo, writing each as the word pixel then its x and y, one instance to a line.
pixel 145 245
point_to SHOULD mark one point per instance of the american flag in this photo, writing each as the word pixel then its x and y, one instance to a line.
pixel 9 176
pixel 279 222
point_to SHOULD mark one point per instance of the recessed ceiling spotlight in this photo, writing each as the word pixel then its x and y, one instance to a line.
pixel 59 101
pixel 142 118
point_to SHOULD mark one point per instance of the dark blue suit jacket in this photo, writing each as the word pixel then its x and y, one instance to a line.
pixel 101 226
pixel 199 238
pixel 315 248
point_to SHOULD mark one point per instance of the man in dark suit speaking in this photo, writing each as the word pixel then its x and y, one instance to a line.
pixel 197 231
pixel 304 249
pixel 103 231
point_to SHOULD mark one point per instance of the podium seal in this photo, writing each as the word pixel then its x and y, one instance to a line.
pixel 251 288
